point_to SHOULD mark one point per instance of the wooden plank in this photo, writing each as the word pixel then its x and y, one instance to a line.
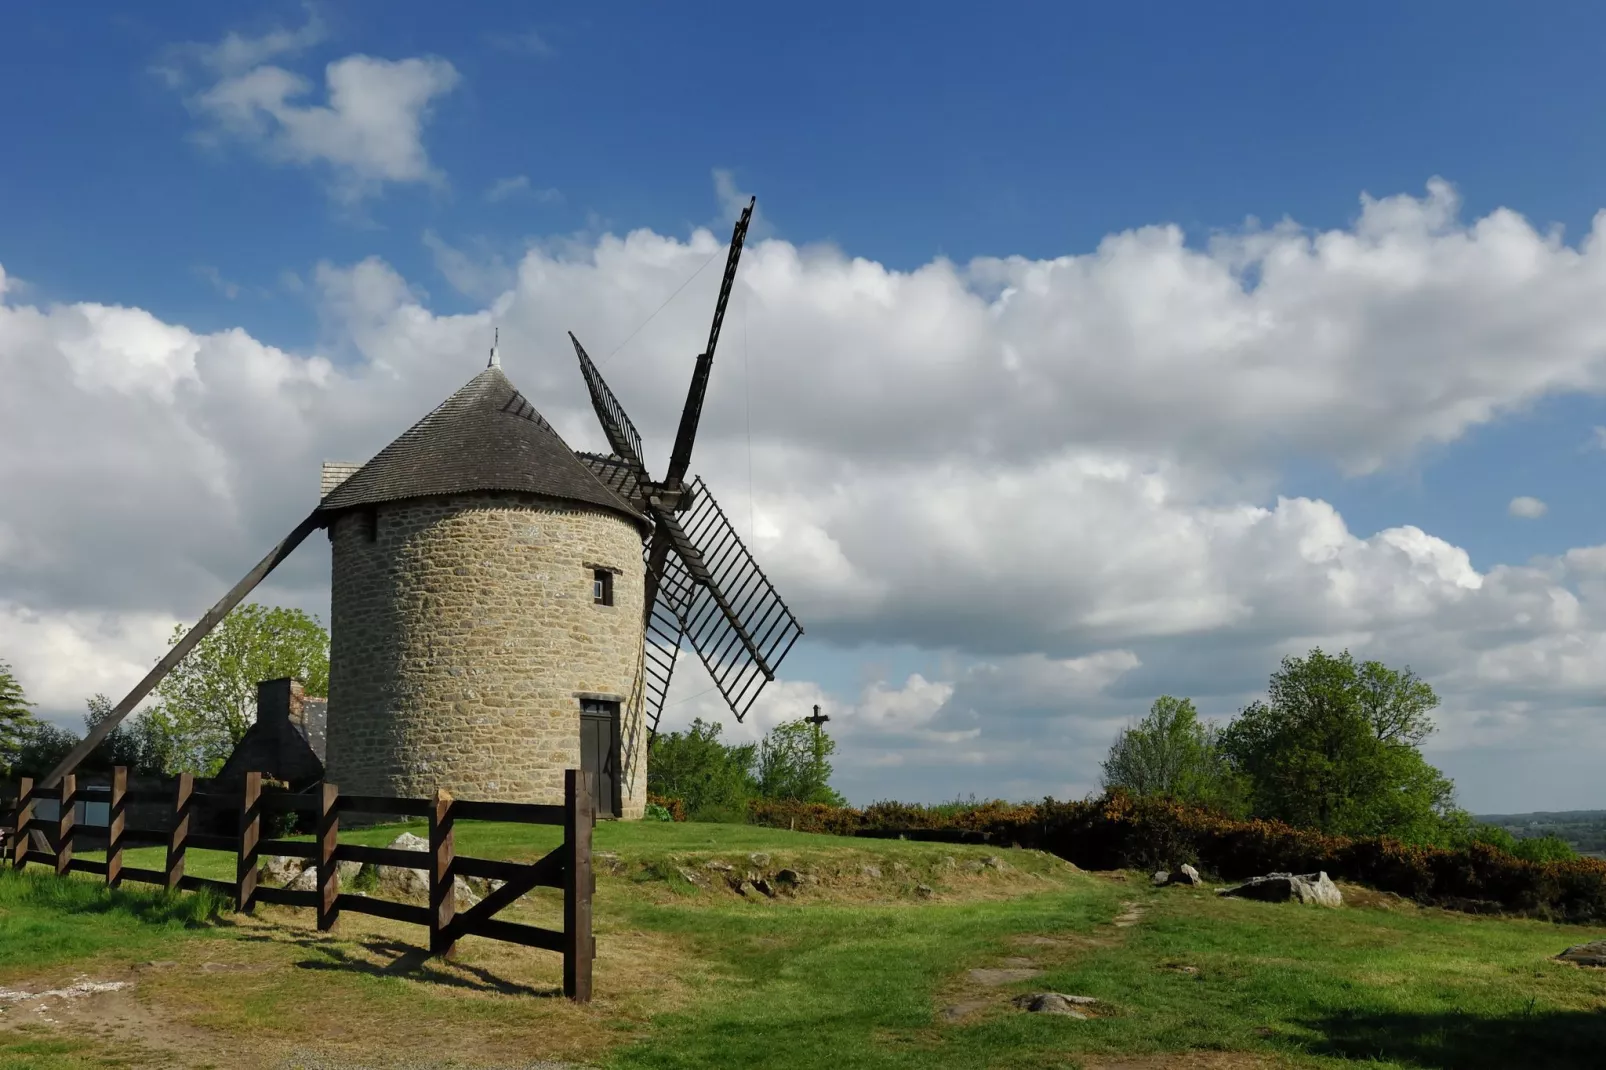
pixel 384 908
pixel 179 837
pixel 144 876
pixel 288 848
pixel 526 813
pixel 64 812
pixel 46 857
pixel 19 843
pixel 471 919
pixel 149 795
pixel 195 884
pixel 145 837
pixel 115 807
pixel 579 949
pixel 245 870
pixel 50 794
pixel 206 841
pixel 442 897
pixel 379 804
pixel 179 650
pixel 550 869
pixel 328 870
pixel 88 865
pixel 285 897
pixel 382 856
pixel 518 933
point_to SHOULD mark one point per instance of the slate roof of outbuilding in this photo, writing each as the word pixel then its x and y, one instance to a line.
pixel 485 437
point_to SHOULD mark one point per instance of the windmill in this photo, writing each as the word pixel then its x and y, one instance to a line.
pixel 483 444
pixel 702 583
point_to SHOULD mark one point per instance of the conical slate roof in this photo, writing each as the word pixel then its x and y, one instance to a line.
pixel 484 437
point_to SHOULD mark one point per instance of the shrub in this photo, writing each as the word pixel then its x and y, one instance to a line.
pixel 1116 831
pixel 674 809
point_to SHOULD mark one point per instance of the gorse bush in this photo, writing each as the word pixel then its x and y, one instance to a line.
pixel 1117 831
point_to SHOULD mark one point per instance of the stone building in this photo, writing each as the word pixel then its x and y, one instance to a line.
pixel 486 613
pixel 285 742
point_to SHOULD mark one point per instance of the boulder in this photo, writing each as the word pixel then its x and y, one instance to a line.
pixel 873 872
pixel 305 881
pixel 407 841
pixel 1056 1003
pixel 759 858
pixel 1186 874
pixel 280 869
pixel 1590 954
pixel 1161 878
pixel 1310 888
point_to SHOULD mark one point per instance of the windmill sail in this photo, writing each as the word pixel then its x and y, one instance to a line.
pixel 622 434
pixel 737 623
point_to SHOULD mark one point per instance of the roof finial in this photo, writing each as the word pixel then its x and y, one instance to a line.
pixel 496 358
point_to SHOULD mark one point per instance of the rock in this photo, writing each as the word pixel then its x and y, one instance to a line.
pixel 1309 888
pixel 1055 1003
pixel 305 881
pixel 873 872
pixel 409 842
pixel 280 869
pixel 462 896
pixel 924 891
pixel 396 882
pixel 691 876
pixel 347 872
pixel 975 865
pixel 788 877
pixel 762 886
pixel 1161 878
pixel 759 858
pixel 723 867
pixel 1590 954
pixel 948 862
pixel 745 888
pixel 1186 874
pixel 994 862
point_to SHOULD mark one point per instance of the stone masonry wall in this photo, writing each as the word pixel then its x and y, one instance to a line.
pixel 464 635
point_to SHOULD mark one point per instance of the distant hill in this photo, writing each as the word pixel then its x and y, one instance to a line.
pixel 1584 829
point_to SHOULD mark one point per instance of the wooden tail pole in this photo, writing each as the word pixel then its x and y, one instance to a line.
pixel 179 838
pixel 328 869
pixel 19 843
pixel 245 874
pixel 442 855
pixel 579 883
pixel 87 745
pixel 115 806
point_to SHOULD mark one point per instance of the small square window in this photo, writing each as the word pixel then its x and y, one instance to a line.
pixel 602 587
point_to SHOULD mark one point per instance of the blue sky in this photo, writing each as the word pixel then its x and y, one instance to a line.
pixel 1029 130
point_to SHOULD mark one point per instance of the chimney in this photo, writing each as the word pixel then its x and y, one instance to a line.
pixel 280 701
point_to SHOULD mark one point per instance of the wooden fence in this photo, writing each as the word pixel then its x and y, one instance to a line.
pixel 567 867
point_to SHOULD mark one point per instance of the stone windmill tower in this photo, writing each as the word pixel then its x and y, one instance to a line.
pixel 504 608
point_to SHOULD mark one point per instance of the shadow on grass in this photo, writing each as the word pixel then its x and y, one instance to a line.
pixel 1460 1041
pixel 404 961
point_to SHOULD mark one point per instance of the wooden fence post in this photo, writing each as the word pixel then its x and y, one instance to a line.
pixel 182 800
pixel 328 870
pixel 442 894
pixel 579 882
pixel 114 826
pixel 64 816
pixel 19 849
pixel 245 874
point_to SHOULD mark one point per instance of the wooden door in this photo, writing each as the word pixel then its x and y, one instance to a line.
pixel 599 753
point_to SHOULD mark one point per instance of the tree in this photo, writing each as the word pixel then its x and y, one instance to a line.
pixel 1335 747
pixel 133 744
pixel 713 779
pixel 793 764
pixel 1171 754
pixel 15 719
pixel 208 701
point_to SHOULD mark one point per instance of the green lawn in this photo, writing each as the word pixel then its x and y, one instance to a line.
pixel 856 972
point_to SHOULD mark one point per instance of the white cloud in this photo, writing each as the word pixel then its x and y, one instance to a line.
pixel 1527 508
pixel 1065 471
pixel 366 133
pixel 519 186
pixel 1600 437
pixel 522 43
pixel 237 52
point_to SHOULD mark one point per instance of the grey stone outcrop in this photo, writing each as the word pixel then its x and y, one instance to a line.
pixel 1310 888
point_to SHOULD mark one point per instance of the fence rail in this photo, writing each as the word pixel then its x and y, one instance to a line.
pixel 567 867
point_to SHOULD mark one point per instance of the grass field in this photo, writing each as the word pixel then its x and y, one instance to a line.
pixel 864 968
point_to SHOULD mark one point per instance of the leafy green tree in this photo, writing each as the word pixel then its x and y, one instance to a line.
pixel 794 764
pixel 15 719
pixel 207 702
pixel 1172 754
pixel 42 747
pixel 1335 747
pixel 714 779
pixel 134 744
